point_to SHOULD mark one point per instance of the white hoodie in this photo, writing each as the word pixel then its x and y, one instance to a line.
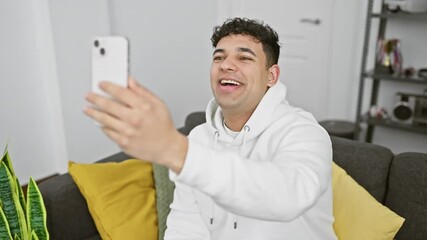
pixel 272 181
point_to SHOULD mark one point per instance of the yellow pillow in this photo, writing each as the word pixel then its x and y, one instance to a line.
pixel 358 215
pixel 120 197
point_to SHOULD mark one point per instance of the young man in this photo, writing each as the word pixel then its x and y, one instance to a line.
pixel 257 169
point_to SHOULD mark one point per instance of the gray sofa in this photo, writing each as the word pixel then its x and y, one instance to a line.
pixel 397 181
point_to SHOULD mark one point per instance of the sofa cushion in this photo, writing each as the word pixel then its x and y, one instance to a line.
pixel 357 214
pixel 120 197
pixel 164 196
pixel 68 217
pixel 366 163
pixel 407 194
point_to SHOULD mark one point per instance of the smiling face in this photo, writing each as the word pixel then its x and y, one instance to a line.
pixel 239 75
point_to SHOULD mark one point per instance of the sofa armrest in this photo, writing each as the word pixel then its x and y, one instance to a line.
pixel 68 217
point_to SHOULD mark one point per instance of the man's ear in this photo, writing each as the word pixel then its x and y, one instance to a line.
pixel 273 75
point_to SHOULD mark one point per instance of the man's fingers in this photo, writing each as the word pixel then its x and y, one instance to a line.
pixel 107 105
pixel 140 90
pixel 116 137
pixel 131 110
pixel 104 119
pixel 120 93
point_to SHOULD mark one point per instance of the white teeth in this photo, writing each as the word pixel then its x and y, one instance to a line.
pixel 223 82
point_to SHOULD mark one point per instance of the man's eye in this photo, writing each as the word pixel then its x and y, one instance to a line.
pixel 244 58
pixel 217 58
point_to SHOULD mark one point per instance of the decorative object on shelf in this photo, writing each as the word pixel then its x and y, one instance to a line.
pixel 404 108
pixel 411 108
pixel 420 112
pixel 412 6
pixel 409 72
pixel 378 113
pixel 389 56
pixel 422 73
pixel 20 218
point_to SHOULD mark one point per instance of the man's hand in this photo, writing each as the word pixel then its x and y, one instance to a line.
pixel 140 123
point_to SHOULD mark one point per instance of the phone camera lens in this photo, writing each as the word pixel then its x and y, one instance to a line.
pixel 96 43
pixel 102 51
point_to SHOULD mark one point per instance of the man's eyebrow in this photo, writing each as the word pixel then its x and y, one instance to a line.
pixel 240 49
pixel 218 50
pixel 248 50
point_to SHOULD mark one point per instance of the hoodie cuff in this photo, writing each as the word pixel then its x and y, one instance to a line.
pixel 190 170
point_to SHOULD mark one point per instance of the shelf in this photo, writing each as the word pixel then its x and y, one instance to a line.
pixel 401 15
pixel 393 124
pixel 388 77
pixel 379 20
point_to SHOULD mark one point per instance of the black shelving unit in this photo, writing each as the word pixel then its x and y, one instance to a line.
pixel 375 77
pixel 387 77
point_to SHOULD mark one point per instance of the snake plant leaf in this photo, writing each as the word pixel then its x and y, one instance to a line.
pixel 36 212
pixel 20 194
pixel 4 227
pixel 11 206
pixel 34 236
pixel 6 159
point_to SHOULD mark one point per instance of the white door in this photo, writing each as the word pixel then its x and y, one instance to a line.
pixel 304 28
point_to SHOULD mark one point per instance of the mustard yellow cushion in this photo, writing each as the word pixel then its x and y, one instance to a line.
pixel 120 197
pixel 357 214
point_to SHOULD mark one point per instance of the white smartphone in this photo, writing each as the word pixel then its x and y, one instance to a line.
pixel 110 61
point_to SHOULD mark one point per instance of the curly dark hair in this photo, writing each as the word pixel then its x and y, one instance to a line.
pixel 252 27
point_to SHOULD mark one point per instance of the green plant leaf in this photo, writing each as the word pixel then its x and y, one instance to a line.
pixel 34 236
pixel 36 211
pixel 16 237
pixel 20 194
pixel 11 206
pixel 6 159
pixel 4 226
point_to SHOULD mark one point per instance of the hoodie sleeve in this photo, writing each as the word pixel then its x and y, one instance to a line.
pixel 289 170
pixel 184 221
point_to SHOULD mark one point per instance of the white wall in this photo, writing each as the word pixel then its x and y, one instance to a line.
pixel 346 50
pixel 31 118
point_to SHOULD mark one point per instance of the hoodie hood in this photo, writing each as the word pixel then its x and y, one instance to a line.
pixel 265 113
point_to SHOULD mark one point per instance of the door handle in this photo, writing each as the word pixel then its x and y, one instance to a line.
pixel 314 21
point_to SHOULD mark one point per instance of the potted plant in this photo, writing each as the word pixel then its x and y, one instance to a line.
pixel 20 218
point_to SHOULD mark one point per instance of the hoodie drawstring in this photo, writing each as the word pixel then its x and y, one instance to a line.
pixel 213 205
pixel 246 129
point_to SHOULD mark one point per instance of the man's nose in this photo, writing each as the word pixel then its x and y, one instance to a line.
pixel 228 65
